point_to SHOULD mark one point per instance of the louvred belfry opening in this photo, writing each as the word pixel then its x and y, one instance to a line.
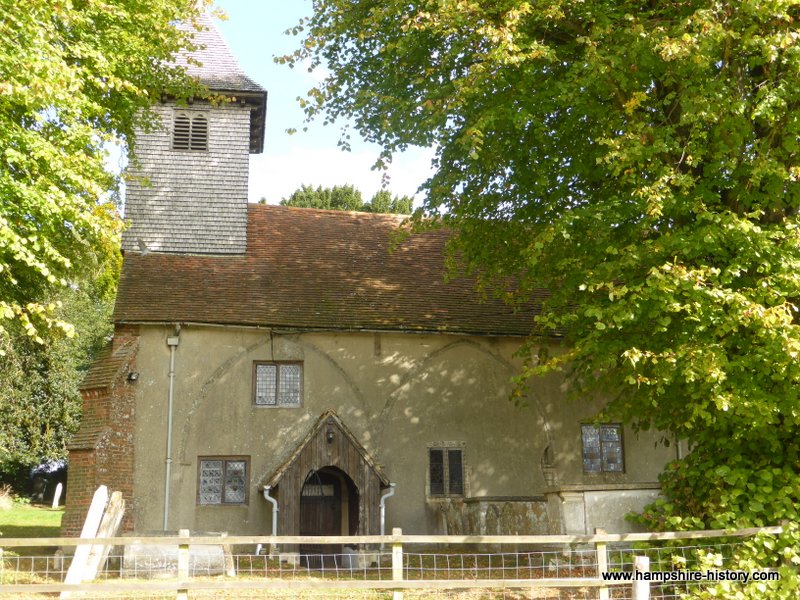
pixel 190 133
pixel 198 138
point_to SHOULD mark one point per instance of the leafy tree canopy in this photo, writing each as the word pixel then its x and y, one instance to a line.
pixel 40 401
pixel 640 161
pixel 347 197
pixel 74 77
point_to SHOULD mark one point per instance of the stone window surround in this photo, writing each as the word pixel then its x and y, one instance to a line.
pixel 225 459
pixel 445 446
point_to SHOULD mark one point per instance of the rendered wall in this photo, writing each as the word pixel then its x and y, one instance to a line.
pixel 397 393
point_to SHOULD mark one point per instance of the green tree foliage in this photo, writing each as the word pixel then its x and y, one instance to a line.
pixel 640 161
pixel 40 404
pixel 347 197
pixel 74 77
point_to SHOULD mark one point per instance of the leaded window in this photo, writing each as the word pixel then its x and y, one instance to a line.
pixel 277 384
pixel 445 471
pixel 222 480
pixel 190 132
pixel 602 448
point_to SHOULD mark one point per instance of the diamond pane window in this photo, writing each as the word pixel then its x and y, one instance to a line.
pixel 211 473
pixel 278 384
pixel 266 379
pixel 602 448
pixel 222 481
pixel 445 471
pixel 235 481
pixel 290 382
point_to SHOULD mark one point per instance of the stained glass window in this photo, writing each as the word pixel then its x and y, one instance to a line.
pixel 446 471
pixel 278 384
pixel 222 481
pixel 602 448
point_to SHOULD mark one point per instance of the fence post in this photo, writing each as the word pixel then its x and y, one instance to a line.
pixel 641 589
pixel 397 562
pixel 183 564
pixel 602 561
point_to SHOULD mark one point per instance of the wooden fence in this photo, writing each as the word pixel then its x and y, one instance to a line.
pixel 597 547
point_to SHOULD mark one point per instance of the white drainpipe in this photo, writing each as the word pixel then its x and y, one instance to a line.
pixel 172 342
pixel 389 493
pixel 275 509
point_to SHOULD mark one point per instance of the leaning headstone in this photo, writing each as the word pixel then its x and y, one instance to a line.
pixel 89 531
pixel 57 494
pixel 109 527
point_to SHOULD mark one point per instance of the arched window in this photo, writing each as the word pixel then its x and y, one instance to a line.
pixel 190 133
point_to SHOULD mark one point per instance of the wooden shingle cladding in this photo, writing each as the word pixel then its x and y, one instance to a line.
pixel 329 443
pixel 216 67
pixel 316 270
pixel 190 201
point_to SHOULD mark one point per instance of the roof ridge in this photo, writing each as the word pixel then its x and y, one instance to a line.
pixel 334 211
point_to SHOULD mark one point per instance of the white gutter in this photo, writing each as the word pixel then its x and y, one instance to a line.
pixel 275 509
pixel 172 342
pixel 389 493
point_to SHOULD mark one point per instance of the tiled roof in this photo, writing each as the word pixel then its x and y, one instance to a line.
pixel 87 438
pixel 315 269
pixel 108 366
pixel 218 69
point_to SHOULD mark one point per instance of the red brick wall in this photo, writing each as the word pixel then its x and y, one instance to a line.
pixel 81 484
pixel 102 452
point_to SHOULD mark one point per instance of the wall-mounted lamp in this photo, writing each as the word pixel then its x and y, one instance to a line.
pixel 329 436
pixel 133 376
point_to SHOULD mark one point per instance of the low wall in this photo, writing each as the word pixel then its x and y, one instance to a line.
pixel 492 515
pixel 579 510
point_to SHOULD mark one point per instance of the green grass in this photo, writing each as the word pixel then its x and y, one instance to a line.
pixel 24 520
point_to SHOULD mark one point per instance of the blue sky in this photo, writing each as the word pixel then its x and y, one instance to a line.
pixel 254 31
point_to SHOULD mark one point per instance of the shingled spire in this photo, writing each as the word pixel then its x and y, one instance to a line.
pixel 220 72
pixel 188 191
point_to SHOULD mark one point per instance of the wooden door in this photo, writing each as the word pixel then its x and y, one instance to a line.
pixel 320 514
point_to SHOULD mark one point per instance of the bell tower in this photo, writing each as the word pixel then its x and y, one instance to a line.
pixel 188 191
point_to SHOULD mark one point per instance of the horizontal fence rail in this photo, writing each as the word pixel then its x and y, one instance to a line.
pixel 401 538
pixel 215 565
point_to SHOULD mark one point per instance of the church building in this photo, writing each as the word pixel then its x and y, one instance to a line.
pixel 311 365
